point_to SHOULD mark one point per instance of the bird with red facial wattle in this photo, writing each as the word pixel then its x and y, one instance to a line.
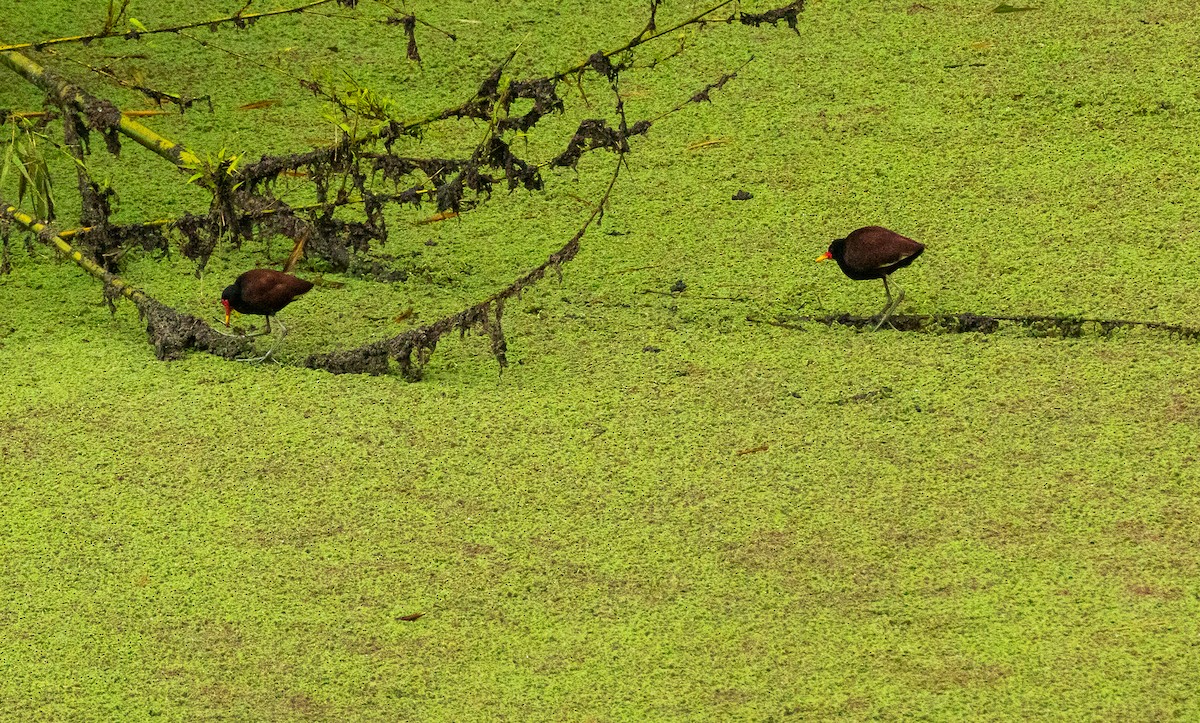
pixel 263 292
pixel 874 252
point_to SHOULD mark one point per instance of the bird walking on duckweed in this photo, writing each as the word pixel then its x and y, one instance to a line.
pixel 874 252
pixel 263 292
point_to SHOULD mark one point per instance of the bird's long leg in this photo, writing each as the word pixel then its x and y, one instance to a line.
pixel 886 311
pixel 891 307
pixel 264 332
pixel 270 352
pixel 269 355
pixel 282 333
pixel 899 297
pixel 263 358
pixel 266 329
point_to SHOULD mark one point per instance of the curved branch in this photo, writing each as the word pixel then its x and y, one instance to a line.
pixel 486 315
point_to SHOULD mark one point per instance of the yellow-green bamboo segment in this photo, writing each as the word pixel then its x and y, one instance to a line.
pixel 70 252
pixel 36 74
pixel 171 333
pixel 158 223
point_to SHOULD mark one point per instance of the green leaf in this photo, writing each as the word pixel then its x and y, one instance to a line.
pixel 8 158
pixel 1006 8
pixel 25 179
pixel 137 25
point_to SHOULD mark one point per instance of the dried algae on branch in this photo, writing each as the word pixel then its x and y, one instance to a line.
pixel 1061 326
pixel 486 316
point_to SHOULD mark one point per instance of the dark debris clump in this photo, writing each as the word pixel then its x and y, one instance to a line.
pixel 592 133
pixel 104 116
pixel 172 333
pixel 788 13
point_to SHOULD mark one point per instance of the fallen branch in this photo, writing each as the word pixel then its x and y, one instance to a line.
pixel 171 332
pixel 156 96
pixel 1054 326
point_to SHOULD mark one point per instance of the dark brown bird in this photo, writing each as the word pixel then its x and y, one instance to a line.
pixel 873 252
pixel 263 292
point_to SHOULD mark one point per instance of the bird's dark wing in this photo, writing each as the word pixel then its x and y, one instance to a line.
pixel 877 248
pixel 287 286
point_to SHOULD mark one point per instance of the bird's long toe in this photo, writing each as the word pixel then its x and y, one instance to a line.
pixel 270 355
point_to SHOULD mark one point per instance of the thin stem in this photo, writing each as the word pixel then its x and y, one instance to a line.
pixel 134 34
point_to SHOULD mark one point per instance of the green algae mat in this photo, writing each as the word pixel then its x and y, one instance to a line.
pixel 659 510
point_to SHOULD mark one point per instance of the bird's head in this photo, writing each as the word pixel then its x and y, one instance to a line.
pixel 836 249
pixel 227 296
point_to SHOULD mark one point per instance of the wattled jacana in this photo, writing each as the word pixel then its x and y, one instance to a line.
pixel 873 252
pixel 263 292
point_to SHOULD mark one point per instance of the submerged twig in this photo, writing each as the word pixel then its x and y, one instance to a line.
pixel 1042 325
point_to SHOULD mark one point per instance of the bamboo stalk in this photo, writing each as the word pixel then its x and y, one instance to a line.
pixel 157 223
pixel 64 248
pixel 174 152
pixel 170 332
